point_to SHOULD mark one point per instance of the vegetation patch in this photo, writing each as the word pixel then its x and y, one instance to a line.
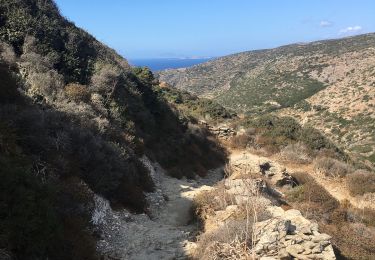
pixel 361 182
pixel 332 167
pixel 350 237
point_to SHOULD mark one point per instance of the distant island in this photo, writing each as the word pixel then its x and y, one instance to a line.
pixel 157 64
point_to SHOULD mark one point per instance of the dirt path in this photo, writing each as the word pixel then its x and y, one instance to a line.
pixel 336 187
pixel 164 235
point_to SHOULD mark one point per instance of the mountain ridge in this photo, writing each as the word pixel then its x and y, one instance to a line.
pixel 312 82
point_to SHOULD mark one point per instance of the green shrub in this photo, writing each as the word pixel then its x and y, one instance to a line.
pixel 314 139
pixel 303 105
pixel 28 220
pixel 371 158
pixel 314 200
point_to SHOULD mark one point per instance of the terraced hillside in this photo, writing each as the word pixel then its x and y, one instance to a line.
pixel 329 84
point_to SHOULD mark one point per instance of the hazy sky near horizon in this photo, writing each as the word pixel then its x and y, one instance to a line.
pixel 209 28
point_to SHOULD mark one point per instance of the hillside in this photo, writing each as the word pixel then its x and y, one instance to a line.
pixel 75 121
pixel 328 84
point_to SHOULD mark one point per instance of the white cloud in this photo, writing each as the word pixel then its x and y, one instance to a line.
pixel 351 29
pixel 325 23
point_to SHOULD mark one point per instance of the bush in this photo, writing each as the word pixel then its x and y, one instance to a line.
pixel 241 141
pixel 295 153
pixel 275 133
pixel 7 53
pixel 77 92
pixel 273 126
pixel 361 182
pixel 206 203
pixel 227 242
pixel 315 140
pixel 105 79
pixel 331 167
pixel 351 240
pixel 28 220
pixel 313 200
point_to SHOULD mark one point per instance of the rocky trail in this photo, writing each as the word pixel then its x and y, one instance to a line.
pixel 165 232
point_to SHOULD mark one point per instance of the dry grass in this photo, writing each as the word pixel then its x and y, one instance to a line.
pixel 361 182
pixel 331 167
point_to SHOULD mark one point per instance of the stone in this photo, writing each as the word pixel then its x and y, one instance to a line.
pixel 309 244
pixel 284 255
pixel 276 211
pixel 298 240
pixel 318 249
pixel 305 230
pixel 292 213
pixel 295 249
pixel 321 237
pixel 324 243
pixel 289 237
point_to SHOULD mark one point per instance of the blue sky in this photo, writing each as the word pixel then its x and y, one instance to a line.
pixel 209 28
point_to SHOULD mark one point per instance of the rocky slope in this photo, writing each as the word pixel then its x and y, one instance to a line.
pixel 328 84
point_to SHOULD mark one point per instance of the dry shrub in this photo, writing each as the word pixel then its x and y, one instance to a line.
pixel 361 182
pixel 296 153
pixel 352 240
pixel 262 140
pixel 365 216
pixel 233 239
pixel 331 167
pixel 241 141
pixel 270 150
pixel 230 241
pixel 47 83
pixel 106 78
pixel 7 53
pixel 77 92
pixel 206 203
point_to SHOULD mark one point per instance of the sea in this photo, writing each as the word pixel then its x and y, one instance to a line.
pixel 167 63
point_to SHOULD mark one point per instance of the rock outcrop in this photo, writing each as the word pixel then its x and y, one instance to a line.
pixel 288 235
pixel 223 132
